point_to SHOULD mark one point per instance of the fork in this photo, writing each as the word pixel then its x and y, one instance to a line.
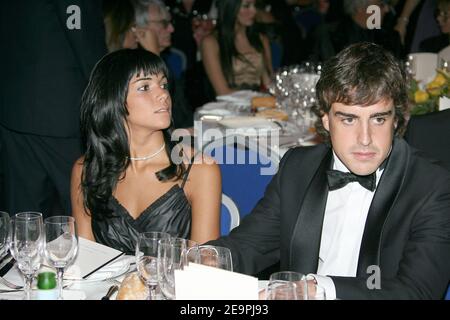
pixel 10 284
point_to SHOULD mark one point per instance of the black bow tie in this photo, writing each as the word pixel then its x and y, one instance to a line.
pixel 339 179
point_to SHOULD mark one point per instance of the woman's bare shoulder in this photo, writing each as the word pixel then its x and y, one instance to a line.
pixel 77 168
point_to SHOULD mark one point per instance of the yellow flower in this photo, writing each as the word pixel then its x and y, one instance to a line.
pixel 421 96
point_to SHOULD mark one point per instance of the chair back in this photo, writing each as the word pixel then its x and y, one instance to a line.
pixel 229 215
pixel 425 65
pixel 277 53
pixel 176 61
pixel 246 169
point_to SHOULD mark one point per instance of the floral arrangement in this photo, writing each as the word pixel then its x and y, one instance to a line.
pixel 426 99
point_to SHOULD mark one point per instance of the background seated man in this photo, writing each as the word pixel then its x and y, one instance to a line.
pixel 428 133
pixel 376 226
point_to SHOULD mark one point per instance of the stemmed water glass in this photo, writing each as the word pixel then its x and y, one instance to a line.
pixel 61 245
pixel 147 259
pixel 174 254
pixel 217 257
pixel 4 233
pixel 27 240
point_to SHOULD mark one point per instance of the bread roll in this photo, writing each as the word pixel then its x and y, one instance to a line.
pixel 273 114
pixel 132 288
pixel 263 102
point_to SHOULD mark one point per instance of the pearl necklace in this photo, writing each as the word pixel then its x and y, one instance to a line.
pixel 150 156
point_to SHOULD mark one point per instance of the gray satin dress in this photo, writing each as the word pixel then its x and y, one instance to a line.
pixel 170 213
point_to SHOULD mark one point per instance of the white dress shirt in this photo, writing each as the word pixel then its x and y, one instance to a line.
pixel 343 227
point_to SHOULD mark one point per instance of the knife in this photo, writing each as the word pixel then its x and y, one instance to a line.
pixel 110 292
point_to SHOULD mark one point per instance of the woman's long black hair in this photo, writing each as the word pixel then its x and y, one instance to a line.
pixel 103 121
pixel 227 15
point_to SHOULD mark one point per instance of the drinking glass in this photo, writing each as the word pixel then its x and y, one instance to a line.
pixel 27 241
pixel 218 257
pixel 297 278
pixel 318 293
pixel 147 260
pixel 61 245
pixel 4 233
pixel 281 290
pixel 174 254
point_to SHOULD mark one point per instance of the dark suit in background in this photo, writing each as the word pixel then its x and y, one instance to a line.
pixel 430 133
pixel 407 231
pixel 45 67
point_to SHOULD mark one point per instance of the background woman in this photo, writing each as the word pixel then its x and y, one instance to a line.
pixel 127 182
pixel 236 56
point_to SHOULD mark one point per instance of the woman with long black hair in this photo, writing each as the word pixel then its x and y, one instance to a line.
pixel 133 177
pixel 236 56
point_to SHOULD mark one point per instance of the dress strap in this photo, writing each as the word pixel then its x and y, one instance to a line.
pixel 186 174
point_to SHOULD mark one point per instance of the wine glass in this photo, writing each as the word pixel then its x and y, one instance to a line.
pixel 27 240
pixel 297 278
pixel 61 245
pixel 147 259
pixel 174 254
pixel 214 256
pixel 4 233
pixel 281 290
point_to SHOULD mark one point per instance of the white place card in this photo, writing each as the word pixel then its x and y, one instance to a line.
pixel 200 282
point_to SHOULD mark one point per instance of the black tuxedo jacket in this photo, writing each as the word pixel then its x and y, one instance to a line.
pixel 407 231
pixel 45 66
pixel 430 133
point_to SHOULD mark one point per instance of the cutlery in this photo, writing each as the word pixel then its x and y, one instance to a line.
pixel 110 292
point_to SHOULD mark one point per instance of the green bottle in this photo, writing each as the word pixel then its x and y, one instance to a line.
pixel 46 285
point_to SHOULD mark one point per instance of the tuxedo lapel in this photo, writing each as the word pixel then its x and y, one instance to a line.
pixel 385 195
pixel 306 236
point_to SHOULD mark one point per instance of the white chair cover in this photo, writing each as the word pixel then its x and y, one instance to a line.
pixel 444 54
pixel 425 65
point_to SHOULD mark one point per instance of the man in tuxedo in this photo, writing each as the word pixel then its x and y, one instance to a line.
pixel 49 49
pixel 363 214
pixel 429 133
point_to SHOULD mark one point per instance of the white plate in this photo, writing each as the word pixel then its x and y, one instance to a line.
pixel 114 270
pixel 242 97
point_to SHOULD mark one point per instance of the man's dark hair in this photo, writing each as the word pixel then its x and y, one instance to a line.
pixel 362 74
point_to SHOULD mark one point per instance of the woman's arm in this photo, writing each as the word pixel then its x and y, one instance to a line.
pixel 211 61
pixel 403 19
pixel 204 191
pixel 82 218
pixel 267 61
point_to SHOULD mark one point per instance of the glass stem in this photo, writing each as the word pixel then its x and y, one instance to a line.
pixel 28 284
pixel 152 292
pixel 60 274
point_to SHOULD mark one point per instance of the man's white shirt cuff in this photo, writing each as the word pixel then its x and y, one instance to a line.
pixel 326 283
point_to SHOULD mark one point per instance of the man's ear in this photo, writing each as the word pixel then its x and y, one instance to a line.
pixel 326 122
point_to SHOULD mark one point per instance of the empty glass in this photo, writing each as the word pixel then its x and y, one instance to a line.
pixel 174 254
pixel 281 290
pixel 147 260
pixel 297 278
pixel 218 257
pixel 27 241
pixel 61 245
pixel 4 233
